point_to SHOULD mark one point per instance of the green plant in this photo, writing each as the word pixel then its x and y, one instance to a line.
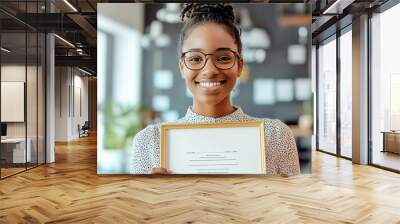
pixel 121 123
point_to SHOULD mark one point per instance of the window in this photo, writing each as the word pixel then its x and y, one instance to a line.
pixel 385 89
pixel 327 96
pixel 346 93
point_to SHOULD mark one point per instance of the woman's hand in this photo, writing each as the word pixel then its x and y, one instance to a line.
pixel 160 171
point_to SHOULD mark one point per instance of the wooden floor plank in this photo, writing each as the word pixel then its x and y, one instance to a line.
pixel 70 191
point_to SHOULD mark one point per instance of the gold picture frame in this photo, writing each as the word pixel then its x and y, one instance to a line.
pixel 166 128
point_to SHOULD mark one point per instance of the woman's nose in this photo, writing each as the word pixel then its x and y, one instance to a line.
pixel 210 68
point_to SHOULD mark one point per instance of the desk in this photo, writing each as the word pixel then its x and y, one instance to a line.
pixel 16 147
pixel 391 141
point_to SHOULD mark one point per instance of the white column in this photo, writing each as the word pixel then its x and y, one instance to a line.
pixel 50 99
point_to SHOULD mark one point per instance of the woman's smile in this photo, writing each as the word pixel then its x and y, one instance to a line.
pixel 211 85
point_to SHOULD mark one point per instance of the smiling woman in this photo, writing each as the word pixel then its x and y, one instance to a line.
pixel 210 63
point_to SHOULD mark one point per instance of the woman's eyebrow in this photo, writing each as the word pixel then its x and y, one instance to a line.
pixel 218 49
pixel 195 49
pixel 222 49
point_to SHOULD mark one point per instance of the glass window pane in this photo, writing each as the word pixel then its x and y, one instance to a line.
pixel 41 98
pixel 346 94
pixel 385 86
pixel 31 97
pixel 327 97
pixel 22 88
pixel 13 86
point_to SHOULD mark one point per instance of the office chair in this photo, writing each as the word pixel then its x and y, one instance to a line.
pixel 84 130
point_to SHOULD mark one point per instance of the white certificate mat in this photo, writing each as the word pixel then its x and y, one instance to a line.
pixel 213 148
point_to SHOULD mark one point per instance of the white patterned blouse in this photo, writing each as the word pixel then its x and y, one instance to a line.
pixel 280 147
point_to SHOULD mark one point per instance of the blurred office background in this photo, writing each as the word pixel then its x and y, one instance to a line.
pixel 139 81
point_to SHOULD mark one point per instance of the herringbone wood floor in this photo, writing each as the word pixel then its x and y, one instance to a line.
pixel 70 191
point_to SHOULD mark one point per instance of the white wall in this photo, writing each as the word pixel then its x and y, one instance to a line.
pixel 33 126
pixel 80 83
pixel 67 115
pixel 61 103
pixel 13 73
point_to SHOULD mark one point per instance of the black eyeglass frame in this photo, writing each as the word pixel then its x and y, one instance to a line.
pixel 237 55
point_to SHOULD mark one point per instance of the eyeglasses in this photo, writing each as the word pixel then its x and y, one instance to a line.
pixel 222 59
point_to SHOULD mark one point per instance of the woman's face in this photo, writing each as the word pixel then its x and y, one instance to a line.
pixel 210 85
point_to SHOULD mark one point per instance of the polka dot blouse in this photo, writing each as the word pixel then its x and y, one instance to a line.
pixel 280 147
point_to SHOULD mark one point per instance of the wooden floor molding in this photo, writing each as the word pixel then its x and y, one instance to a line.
pixel 70 191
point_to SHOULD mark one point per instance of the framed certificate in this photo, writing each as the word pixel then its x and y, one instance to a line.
pixel 213 148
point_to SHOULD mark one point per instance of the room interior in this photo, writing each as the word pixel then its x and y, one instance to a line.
pixel 51 63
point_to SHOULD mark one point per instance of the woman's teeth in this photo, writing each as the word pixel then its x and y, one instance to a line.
pixel 209 84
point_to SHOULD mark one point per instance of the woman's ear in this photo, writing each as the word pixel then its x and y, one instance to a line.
pixel 181 67
pixel 240 66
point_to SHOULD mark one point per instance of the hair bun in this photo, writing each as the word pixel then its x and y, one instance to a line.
pixel 193 10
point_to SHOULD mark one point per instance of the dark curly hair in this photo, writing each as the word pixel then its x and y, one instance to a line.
pixel 194 14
